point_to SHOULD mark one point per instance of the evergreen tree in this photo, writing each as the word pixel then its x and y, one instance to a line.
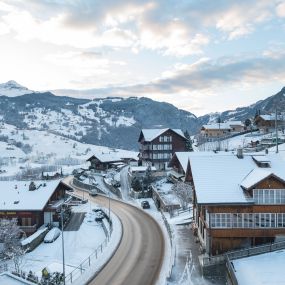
pixel 188 145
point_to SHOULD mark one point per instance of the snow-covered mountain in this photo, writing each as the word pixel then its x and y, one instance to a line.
pixel 12 89
pixel 112 122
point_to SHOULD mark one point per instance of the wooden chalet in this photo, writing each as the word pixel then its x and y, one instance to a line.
pixel 222 129
pixel 266 123
pixel 32 203
pixel 104 161
pixel 157 146
pixel 238 201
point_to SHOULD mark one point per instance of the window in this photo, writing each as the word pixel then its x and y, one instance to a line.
pixel 269 196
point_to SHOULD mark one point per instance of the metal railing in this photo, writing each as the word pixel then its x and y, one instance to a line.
pixel 90 260
pixel 221 259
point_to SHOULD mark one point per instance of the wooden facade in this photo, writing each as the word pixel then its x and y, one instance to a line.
pixel 160 150
pixel 30 220
pixel 261 225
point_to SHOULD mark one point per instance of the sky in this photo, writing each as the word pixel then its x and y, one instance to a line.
pixel 201 56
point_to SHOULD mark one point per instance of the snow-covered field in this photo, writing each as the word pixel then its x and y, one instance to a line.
pixel 46 149
pixel 265 269
pixel 234 142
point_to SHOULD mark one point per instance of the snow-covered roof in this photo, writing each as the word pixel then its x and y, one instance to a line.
pixel 183 158
pixel 271 117
pixel 218 177
pixel 114 156
pixel 223 126
pixel 15 195
pixel 140 168
pixel 151 134
pixel 255 176
pixel 216 126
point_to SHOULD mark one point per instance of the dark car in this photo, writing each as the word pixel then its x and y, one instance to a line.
pixel 145 205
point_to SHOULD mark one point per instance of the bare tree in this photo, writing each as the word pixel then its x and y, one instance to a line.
pixel 10 235
pixel 184 193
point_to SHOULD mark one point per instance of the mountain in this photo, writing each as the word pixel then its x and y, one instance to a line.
pixel 114 122
pixel 267 105
pixel 12 89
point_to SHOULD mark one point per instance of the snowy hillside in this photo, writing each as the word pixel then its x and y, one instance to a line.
pixel 44 148
pixel 12 89
pixel 114 122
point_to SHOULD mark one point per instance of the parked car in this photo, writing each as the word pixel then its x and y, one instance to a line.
pixel 145 205
pixel 93 193
pixel 52 235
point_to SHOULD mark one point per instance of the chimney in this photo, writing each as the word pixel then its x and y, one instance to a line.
pixel 32 186
pixel 239 152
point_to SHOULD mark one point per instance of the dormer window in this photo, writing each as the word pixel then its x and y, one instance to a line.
pixel 261 161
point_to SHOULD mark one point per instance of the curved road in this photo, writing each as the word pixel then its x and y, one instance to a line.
pixel 138 259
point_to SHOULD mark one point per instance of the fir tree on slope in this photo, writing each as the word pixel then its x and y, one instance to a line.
pixel 188 145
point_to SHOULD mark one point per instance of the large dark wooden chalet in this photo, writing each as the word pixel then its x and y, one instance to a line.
pixel 32 204
pixel 239 201
pixel 158 145
pixel 266 123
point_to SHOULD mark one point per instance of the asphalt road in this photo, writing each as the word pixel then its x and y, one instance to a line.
pixel 139 256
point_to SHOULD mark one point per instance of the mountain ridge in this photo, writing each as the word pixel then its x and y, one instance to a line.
pixel 110 121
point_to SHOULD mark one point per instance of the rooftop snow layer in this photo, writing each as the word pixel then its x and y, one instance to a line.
pixel 218 177
pixel 15 195
pixel 150 134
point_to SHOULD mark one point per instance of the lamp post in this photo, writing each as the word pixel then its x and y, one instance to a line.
pixel 62 243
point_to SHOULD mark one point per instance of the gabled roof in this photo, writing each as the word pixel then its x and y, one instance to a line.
pixel 223 126
pixel 151 134
pixel 15 195
pixel 114 156
pixel 271 117
pixel 220 178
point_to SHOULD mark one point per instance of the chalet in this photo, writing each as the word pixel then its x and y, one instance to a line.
pixel 158 145
pixel 32 203
pixel 238 200
pixel 266 123
pixel 222 129
pixel 106 160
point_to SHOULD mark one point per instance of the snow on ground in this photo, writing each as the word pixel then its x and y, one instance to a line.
pixel 265 269
pixel 47 149
pixel 233 143
pixel 79 245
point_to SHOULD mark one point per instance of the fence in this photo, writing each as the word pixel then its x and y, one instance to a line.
pixel 86 263
pixel 221 259
pixel 173 248
pixel 231 271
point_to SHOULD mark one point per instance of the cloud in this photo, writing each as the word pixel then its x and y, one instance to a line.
pixel 280 10
pixel 207 75
pixel 171 28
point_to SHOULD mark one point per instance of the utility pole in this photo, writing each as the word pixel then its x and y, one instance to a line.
pixel 276 130
pixel 62 242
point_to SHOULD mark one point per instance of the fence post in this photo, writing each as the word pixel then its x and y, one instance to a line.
pixel 71 277
pixel 89 261
pixel 81 268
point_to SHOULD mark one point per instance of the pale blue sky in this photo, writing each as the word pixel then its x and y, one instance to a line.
pixel 202 56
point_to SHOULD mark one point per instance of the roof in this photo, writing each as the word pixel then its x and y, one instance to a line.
pixel 151 134
pixel 13 191
pixel 255 176
pixel 271 117
pixel 218 177
pixel 223 126
pixel 183 158
pixel 114 156
pixel 217 126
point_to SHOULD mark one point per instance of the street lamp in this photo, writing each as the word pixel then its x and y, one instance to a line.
pixel 62 242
